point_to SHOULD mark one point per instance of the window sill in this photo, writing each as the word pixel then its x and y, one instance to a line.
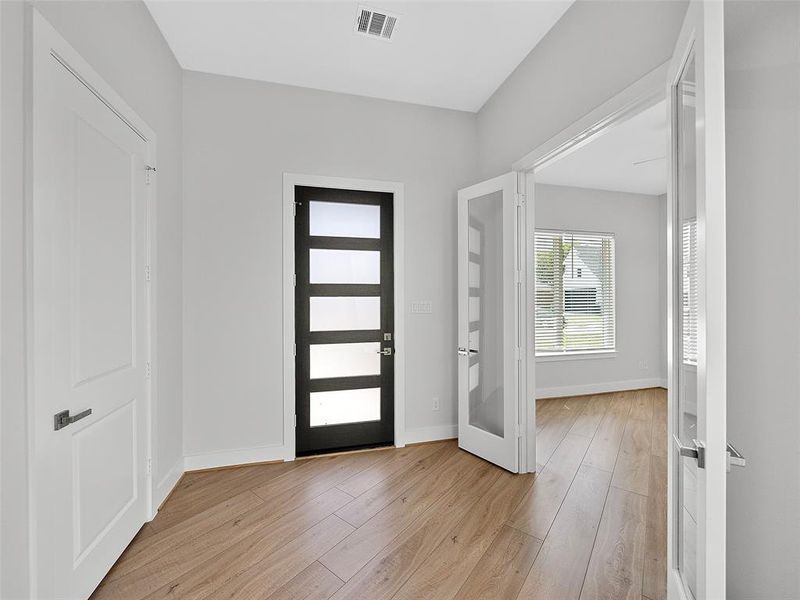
pixel 559 356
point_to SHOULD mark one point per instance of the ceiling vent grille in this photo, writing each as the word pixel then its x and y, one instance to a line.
pixel 374 23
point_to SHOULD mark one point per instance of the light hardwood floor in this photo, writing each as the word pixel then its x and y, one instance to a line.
pixel 426 521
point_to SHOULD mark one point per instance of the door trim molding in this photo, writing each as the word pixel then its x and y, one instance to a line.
pixel 290 180
pixel 641 95
pixel 46 41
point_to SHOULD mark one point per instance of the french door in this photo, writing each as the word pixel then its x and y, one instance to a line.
pixel 698 456
pixel 489 292
pixel 344 319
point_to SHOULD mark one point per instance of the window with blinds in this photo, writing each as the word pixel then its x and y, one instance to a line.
pixel 689 291
pixel 574 305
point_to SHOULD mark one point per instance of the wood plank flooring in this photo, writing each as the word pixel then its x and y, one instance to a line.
pixel 425 521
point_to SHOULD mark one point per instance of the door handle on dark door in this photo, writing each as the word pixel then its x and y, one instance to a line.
pixel 385 351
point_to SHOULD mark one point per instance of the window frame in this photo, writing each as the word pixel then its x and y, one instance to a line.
pixel 587 353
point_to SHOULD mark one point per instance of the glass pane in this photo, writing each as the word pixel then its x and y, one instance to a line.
pixel 329 313
pixel 345 406
pixel 474 241
pixel 474 308
pixel 486 409
pixel 345 360
pixel 475 340
pixel 474 274
pixel 337 219
pixel 686 425
pixel 344 266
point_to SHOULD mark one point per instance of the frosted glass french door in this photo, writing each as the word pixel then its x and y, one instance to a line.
pixel 698 455
pixel 344 319
pixel 488 292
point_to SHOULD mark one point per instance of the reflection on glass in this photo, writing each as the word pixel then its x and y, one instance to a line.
pixel 474 240
pixel 337 219
pixel 345 406
pixel 345 360
pixel 344 266
pixel 474 274
pixel 486 409
pixel 474 309
pixel 334 313
pixel 688 285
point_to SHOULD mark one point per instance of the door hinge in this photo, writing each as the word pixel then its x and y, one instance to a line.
pixel 520 199
pixel 517 353
pixel 294 349
pixel 518 431
pixel 294 279
pixel 295 421
pixel 148 170
pixel 147 273
pixel 149 466
pixel 148 370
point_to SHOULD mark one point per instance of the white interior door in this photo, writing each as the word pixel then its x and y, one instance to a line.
pixel 698 457
pixel 488 334
pixel 89 332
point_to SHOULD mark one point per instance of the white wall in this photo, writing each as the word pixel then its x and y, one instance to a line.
pixel 240 137
pixel 662 281
pixel 635 221
pixel 763 186
pixel 13 474
pixel 596 49
pixel 123 44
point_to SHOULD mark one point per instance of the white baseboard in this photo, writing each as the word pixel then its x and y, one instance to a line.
pixel 164 487
pixel 431 434
pixel 600 388
pixel 236 456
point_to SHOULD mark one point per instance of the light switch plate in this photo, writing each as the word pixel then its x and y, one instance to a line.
pixel 421 307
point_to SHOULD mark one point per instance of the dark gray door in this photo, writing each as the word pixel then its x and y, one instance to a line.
pixel 344 314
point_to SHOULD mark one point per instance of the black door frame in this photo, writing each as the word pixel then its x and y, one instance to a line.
pixel 330 438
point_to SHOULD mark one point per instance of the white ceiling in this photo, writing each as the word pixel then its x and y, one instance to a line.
pixel 446 54
pixel 608 163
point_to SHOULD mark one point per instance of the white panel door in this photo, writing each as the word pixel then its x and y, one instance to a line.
pixel 488 332
pixel 698 456
pixel 89 204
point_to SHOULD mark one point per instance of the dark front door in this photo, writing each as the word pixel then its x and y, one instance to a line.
pixel 344 319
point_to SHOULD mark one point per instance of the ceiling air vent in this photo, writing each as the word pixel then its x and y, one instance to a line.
pixel 375 23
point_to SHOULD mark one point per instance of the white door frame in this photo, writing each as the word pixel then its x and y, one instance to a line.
pixel 46 41
pixel 641 95
pixel 290 180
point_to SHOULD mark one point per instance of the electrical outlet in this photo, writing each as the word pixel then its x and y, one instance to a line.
pixel 436 405
pixel 643 365
pixel 421 307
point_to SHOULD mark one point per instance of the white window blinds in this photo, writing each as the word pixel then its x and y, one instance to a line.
pixel 689 291
pixel 574 306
